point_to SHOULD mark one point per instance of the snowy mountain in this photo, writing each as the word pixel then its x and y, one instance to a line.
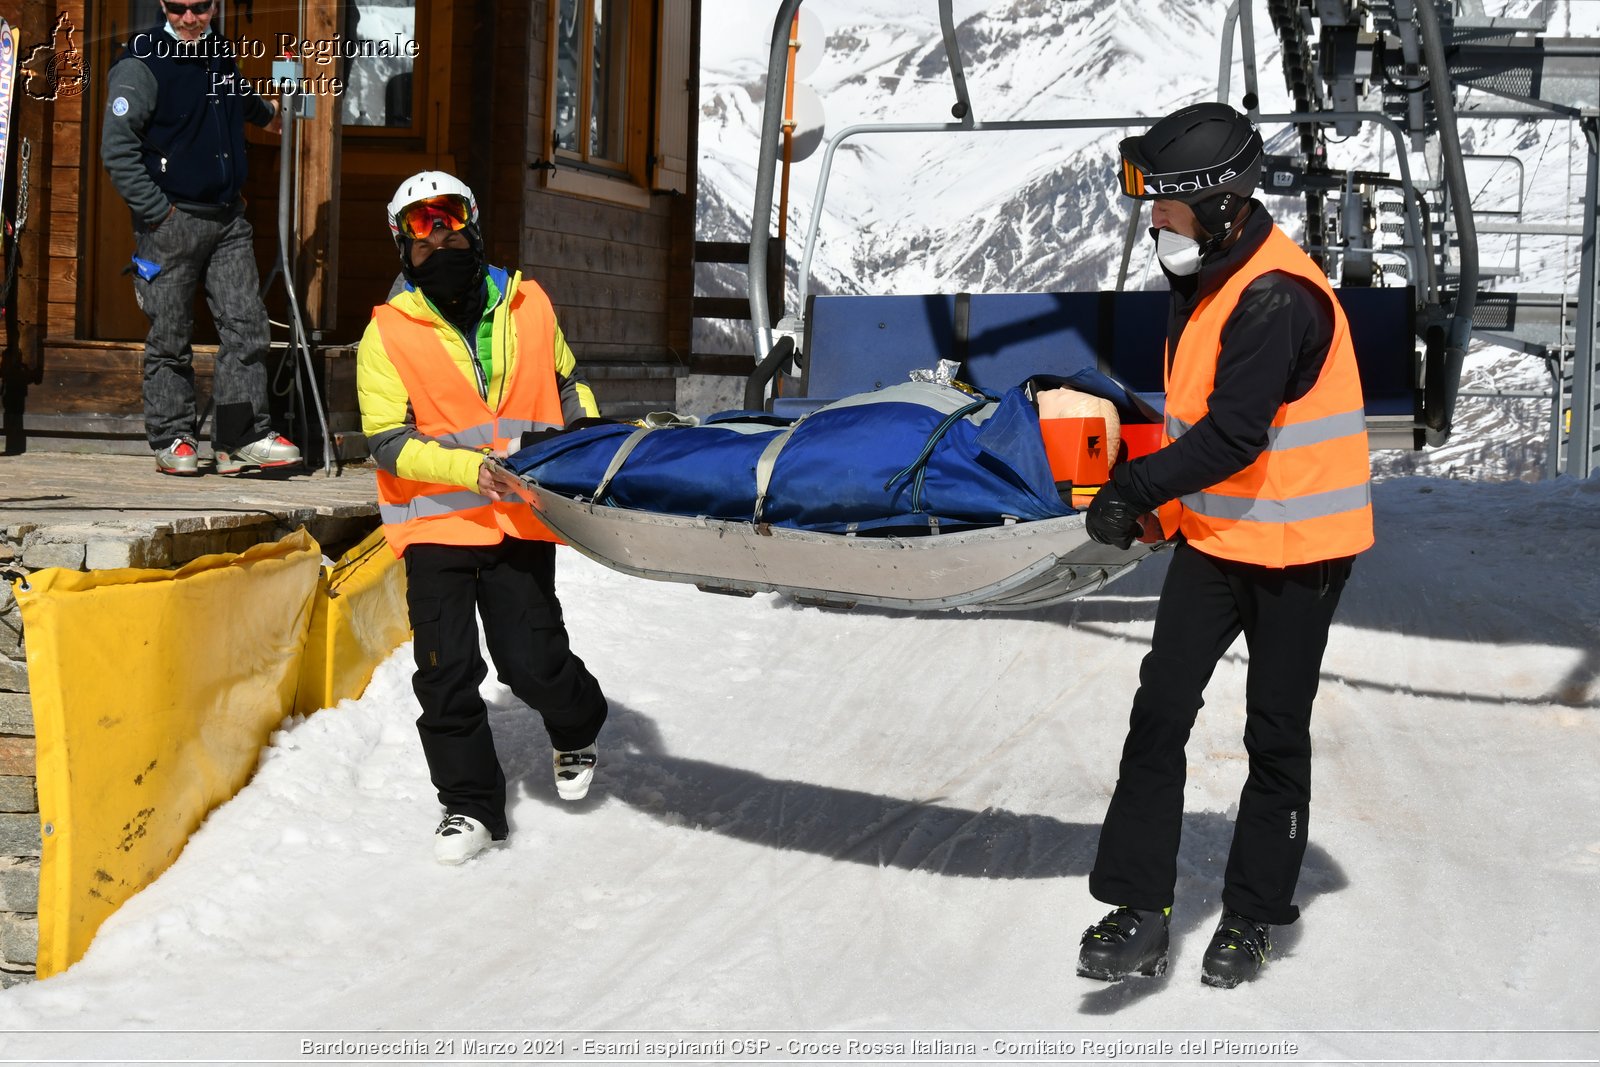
pixel 1030 210
pixel 985 211
pixel 1039 211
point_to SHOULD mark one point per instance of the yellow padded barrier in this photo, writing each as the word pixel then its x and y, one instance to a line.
pixel 359 619
pixel 153 694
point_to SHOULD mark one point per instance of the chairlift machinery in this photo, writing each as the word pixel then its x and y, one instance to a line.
pixel 1409 56
pixel 1348 64
pixel 1336 55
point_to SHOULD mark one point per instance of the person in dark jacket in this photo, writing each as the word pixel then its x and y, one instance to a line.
pixel 173 144
pixel 1263 483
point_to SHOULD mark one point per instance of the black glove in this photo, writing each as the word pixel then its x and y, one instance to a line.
pixel 1113 520
pixel 538 437
pixel 534 437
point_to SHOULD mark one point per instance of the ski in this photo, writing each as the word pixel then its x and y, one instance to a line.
pixel 9 42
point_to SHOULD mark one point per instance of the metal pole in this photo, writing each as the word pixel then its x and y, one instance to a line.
pixel 1247 48
pixel 1130 237
pixel 1455 176
pixel 947 26
pixel 1552 364
pixel 286 155
pixel 788 132
pixel 766 166
pixel 1225 64
pixel 1580 437
pixel 296 324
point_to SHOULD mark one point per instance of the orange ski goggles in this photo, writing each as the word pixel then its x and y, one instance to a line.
pixel 422 218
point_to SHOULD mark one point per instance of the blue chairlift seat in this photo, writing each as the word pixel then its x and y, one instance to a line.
pixel 856 344
pixel 859 344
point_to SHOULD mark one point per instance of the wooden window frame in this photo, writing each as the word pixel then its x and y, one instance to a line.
pixel 429 133
pixel 626 181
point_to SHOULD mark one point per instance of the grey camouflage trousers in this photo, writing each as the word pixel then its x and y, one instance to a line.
pixel 190 251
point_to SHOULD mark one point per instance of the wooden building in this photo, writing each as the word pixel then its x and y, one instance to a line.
pixel 584 171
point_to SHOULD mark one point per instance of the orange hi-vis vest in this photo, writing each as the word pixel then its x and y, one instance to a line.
pixel 1308 496
pixel 446 406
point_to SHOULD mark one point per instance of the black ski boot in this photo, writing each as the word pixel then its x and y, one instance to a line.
pixel 1124 943
pixel 1238 950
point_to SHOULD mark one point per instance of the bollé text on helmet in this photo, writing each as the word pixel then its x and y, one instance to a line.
pixel 1199 183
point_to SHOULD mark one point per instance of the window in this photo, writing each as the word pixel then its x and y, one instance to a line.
pixel 590 105
pixel 618 98
pixel 395 58
pixel 380 79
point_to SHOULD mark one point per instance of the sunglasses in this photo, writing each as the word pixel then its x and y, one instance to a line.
pixel 179 10
pixel 425 216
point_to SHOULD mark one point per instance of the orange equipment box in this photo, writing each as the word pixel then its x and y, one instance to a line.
pixel 1141 438
pixel 1077 450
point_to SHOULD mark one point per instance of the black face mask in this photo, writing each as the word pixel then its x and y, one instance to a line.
pixel 452 278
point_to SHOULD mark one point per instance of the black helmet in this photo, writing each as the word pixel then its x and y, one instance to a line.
pixel 1206 155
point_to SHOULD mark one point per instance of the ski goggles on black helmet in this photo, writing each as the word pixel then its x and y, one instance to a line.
pixel 1237 174
pixel 423 217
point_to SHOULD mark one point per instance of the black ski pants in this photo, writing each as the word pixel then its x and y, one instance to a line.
pixel 511 585
pixel 1205 604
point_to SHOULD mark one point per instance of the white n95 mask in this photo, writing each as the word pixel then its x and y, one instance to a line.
pixel 1179 254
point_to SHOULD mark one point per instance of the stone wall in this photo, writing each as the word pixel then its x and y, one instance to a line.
pixel 25 548
pixel 19 806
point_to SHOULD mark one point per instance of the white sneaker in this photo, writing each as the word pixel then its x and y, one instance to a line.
pixel 458 839
pixel 273 450
pixel 179 458
pixel 574 771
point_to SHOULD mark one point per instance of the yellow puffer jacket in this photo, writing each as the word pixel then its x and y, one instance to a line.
pixel 386 416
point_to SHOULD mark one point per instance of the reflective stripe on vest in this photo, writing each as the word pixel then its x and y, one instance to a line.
pixel 445 406
pixel 1307 496
pixel 426 506
pixel 1301 434
pixel 484 434
pixel 1297 509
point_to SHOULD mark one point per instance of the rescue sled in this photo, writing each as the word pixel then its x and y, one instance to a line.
pixel 921 495
pixel 1017 566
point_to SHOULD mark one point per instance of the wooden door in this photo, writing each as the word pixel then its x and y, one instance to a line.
pixel 110 311
pixel 109 307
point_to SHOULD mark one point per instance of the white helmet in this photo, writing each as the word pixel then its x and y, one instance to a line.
pixel 427 184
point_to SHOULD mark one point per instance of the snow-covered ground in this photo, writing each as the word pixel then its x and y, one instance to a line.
pixel 814 825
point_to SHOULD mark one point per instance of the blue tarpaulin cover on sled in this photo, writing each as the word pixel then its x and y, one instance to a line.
pixel 902 457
